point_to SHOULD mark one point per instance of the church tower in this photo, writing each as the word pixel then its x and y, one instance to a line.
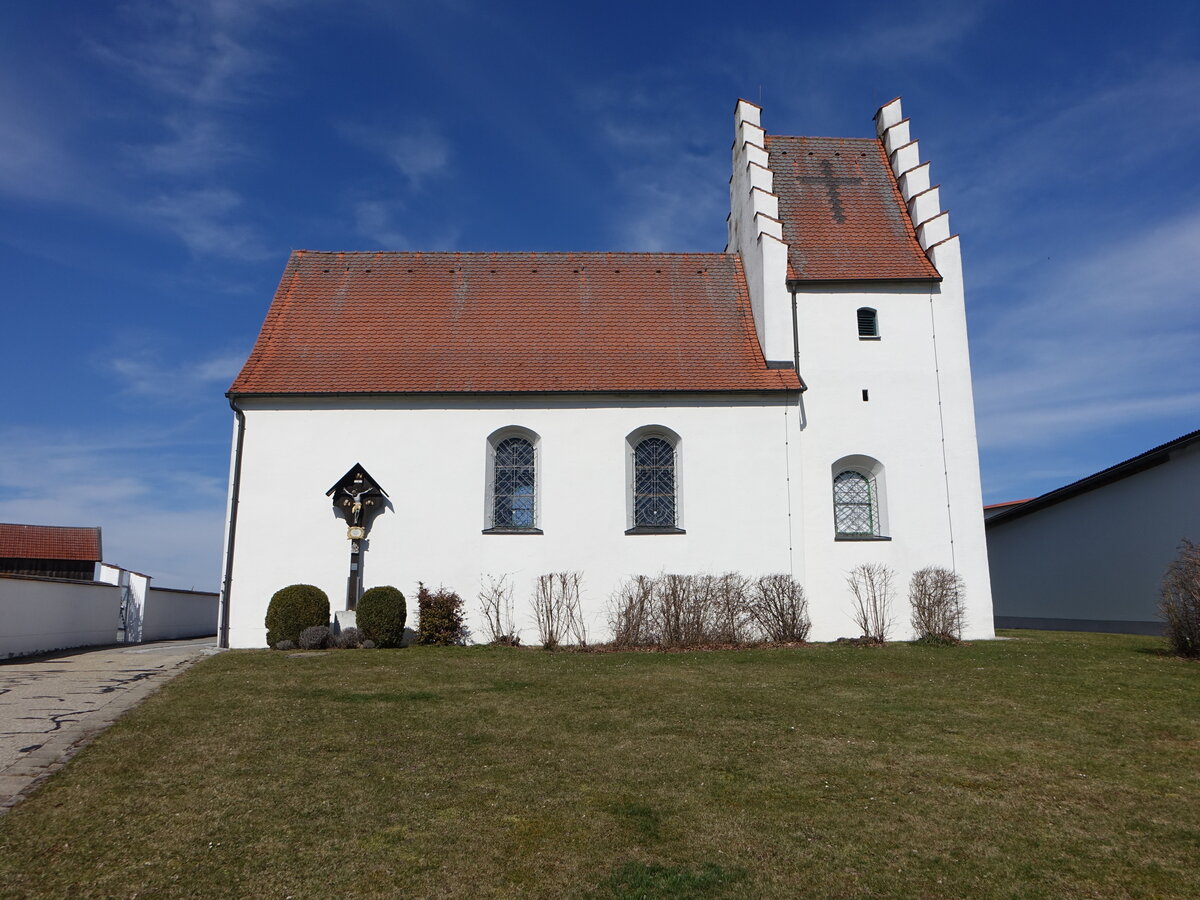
pixel 856 279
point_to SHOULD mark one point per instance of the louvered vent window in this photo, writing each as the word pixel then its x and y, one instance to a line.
pixel 868 323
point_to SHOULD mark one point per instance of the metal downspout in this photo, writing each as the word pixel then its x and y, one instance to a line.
pixel 234 493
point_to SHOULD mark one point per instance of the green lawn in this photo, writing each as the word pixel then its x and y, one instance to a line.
pixel 1050 765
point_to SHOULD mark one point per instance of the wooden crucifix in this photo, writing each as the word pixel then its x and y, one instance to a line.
pixel 358 497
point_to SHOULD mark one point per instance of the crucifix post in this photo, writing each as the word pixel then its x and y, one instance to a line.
pixel 357 497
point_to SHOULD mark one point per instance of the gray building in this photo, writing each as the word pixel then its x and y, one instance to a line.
pixel 1090 556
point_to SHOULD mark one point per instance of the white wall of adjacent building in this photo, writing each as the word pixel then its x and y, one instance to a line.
pixel 172 614
pixel 1095 561
pixel 45 614
pixel 754 488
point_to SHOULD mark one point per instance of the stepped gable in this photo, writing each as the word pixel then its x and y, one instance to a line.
pixel 345 323
pixel 49 542
pixel 844 217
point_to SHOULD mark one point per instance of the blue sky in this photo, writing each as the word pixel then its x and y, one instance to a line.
pixel 158 161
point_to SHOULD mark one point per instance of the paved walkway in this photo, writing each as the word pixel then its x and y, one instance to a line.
pixel 50 706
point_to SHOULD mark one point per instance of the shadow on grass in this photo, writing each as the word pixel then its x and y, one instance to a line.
pixel 648 881
pixel 1160 651
pixel 644 820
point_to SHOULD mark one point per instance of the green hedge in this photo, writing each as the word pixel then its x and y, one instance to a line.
pixel 380 615
pixel 294 608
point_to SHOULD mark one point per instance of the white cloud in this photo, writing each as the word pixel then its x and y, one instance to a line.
pixel 373 220
pixel 143 373
pixel 161 511
pixel 198 144
pixel 1108 339
pixel 206 221
pixel 418 151
pixel 919 32
pixel 671 186
pixel 198 51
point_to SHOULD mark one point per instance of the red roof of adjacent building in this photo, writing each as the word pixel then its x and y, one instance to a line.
pixel 49 542
pixel 509 322
pixel 843 216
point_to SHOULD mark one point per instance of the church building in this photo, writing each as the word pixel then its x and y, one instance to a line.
pixel 799 403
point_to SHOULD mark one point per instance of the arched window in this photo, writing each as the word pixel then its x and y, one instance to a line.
pixel 868 324
pixel 512 482
pixel 652 470
pixel 855 504
pixel 859 499
pixel 654 483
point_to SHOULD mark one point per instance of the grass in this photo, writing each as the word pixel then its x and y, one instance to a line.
pixel 1050 765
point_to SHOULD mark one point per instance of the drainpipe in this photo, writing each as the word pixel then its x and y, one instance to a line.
pixel 796 344
pixel 234 492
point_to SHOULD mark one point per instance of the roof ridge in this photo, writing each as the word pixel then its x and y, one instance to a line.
pixel 515 253
pixel 817 137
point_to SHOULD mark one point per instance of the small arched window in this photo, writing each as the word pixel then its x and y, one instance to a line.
pixel 512 483
pixel 855 504
pixel 654 483
pixel 868 324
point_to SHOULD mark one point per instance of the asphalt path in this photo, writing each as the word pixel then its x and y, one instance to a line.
pixel 52 705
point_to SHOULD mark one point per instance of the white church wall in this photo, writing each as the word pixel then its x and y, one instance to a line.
pixel 430 457
pixel 1094 562
pixel 899 425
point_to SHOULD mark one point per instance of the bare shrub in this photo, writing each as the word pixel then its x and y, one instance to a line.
pixel 780 608
pixel 317 637
pixel 871 594
pixel 1180 601
pixel 682 610
pixel 368 644
pixel 496 601
pixel 730 608
pixel 938 599
pixel 557 609
pixel 632 612
pixel 285 645
pixel 348 639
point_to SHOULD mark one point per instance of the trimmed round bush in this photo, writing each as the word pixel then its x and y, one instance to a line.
pixel 380 616
pixel 294 608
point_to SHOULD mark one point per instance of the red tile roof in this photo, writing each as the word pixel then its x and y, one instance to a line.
pixel 844 218
pixel 498 322
pixel 49 542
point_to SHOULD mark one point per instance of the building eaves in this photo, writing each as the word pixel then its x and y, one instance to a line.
pixel 1155 456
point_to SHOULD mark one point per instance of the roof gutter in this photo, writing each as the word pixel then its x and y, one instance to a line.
pixel 235 490
pixel 797 284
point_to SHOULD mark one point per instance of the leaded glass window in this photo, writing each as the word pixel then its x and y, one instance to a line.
pixel 855 506
pixel 654 483
pixel 513 487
